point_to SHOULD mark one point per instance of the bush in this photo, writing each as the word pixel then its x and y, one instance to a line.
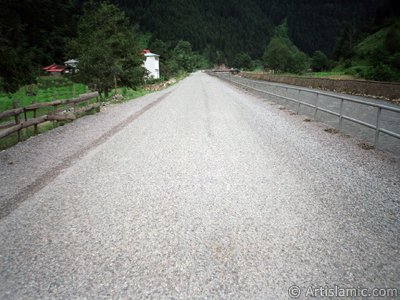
pixel 31 89
pixel 242 61
pixel 381 72
pixel 52 81
pixel 320 62
pixel 300 63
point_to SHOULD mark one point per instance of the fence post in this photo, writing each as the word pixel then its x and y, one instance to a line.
pixel 16 118
pixel 98 102
pixel 35 127
pixel 26 118
pixel 55 111
pixel 377 130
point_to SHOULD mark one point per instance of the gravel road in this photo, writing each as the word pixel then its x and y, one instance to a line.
pixel 199 191
pixel 389 120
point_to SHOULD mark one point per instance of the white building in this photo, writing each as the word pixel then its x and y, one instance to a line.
pixel 152 64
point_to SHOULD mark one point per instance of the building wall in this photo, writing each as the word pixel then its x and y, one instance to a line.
pixel 152 64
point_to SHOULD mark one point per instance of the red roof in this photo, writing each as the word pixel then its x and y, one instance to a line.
pixel 146 51
pixel 49 67
pixel 54 68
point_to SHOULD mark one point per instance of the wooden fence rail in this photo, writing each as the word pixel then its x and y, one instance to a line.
pixel 10 127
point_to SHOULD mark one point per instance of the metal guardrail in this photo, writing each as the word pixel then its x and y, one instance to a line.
pixel 340 115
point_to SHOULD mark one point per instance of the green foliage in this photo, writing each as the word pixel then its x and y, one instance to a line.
pixel 32 34
pixel 329 74
pixel 345 43
pixel 183 56
pixel 220 29
pixel 320 62
pixel 143 39
pixel 377 57
pixel 281 55
pixel 277 55
pixel 200 62
pixel 50 90
pixel 176 58
pixel 242 61
pixel 382 72
pixel 107 49
pixel 300 62
pixel 52 81
pixel 217 29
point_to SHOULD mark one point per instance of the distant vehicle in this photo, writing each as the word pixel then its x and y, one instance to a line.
pixel 234 71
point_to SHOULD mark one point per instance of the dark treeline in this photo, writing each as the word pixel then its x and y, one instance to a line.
pixel 233 26
pixel 36 33
pixel 32 34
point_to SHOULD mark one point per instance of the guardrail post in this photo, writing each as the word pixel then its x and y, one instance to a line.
pixel 377 129
pixel 341 114
pixel 298 106
pixel 316 107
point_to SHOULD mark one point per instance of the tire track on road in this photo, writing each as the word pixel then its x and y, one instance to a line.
pixel 12 203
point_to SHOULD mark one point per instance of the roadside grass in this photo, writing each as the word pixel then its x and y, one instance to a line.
pixel 325 74
pixel 334 74
pixel 130 94
pixel 42 94
pixel 54 89
pixel 46 89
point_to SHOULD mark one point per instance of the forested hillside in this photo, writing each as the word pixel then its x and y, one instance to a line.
pixel 33 33
pixel 233 32
pixel 233 26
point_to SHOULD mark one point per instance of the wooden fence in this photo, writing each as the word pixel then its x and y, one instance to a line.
pixel 58 110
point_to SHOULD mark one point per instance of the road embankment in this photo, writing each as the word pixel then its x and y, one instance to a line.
pixel 389 91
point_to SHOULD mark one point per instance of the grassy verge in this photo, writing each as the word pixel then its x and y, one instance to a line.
pixel 327 74
pixel 130 94
pixel 44 92
pixel 332 74
pixel 54 89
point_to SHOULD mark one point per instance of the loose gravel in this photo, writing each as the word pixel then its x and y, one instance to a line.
pixel 389 120
pixel 30 165
pixel 212 193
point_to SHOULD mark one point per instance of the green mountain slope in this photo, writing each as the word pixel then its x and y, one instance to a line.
pixel 378 55
pixel 234 26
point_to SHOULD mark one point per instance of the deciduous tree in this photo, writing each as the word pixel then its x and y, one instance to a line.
pixel 319 62
pixel 106 48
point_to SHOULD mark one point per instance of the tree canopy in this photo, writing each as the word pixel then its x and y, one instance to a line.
pixel 107 49
pixel 281 55
pixel 319 61
pixel 34 34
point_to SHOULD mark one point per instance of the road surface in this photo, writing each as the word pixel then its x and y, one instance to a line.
pixel 389 120
pixel 201 191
